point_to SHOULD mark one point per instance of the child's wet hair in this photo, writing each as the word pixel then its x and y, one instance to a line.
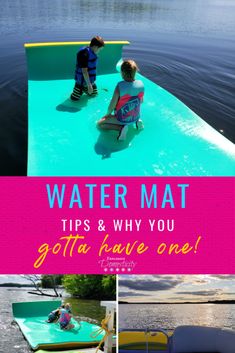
pixel 97 41
pixel 128 69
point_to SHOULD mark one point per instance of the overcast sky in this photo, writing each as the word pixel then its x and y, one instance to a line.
pixel 13 279
pixel 176 288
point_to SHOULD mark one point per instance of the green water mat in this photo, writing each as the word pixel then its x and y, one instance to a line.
pixel 63 139
pixel 31 318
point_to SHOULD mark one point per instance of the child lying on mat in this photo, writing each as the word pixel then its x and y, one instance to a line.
pixel 126 100
pixel 54 315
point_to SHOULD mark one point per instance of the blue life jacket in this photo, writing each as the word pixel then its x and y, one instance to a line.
pixel 92 60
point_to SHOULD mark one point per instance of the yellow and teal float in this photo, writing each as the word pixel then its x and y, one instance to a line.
pixel 31 318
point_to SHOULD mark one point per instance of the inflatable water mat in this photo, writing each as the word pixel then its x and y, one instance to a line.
pixel 31 318
pixel 63 139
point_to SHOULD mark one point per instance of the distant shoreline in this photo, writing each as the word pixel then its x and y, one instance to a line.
pixel 16 285
pixel 205 302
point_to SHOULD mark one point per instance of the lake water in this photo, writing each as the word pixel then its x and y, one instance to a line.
pixel 186 46
pixel 12 339
pixel 169 316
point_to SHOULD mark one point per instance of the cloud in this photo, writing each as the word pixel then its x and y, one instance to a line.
pixel 149 284
pixel 203 293
pixel 177 288
pixel 224 277
pixel 129 294
pixel 199 281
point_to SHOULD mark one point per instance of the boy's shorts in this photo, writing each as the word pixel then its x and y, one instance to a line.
pixel 78 91
pixel 52 317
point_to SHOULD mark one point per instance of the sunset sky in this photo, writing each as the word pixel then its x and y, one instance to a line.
pixel 176 288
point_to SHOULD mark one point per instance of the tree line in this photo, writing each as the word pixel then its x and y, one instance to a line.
pixel 83 286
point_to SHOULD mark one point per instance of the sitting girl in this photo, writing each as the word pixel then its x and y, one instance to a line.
pixel 126 100
pixel 65 318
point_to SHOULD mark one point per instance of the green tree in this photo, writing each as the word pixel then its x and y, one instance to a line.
pixel 90 286
pixel 109 287
pixel 51 281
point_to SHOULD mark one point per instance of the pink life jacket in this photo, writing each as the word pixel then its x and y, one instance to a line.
pixel 130 97
pixel 64 316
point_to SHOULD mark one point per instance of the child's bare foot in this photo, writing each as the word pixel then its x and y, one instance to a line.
pixel 122 134
pixel 139 125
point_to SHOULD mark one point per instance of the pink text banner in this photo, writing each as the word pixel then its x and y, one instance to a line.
pixel 99 225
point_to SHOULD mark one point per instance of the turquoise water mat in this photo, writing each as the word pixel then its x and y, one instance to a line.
pixel 31 318
pixel 63 139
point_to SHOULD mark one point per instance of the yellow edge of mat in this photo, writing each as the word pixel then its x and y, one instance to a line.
pixel 29 45
pixel 66 345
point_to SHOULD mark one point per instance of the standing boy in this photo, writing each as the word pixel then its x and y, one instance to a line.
pixel 85 73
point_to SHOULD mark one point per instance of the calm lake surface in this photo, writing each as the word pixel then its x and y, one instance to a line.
pixel 12 339
pixel 169 316
pixel 186 46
